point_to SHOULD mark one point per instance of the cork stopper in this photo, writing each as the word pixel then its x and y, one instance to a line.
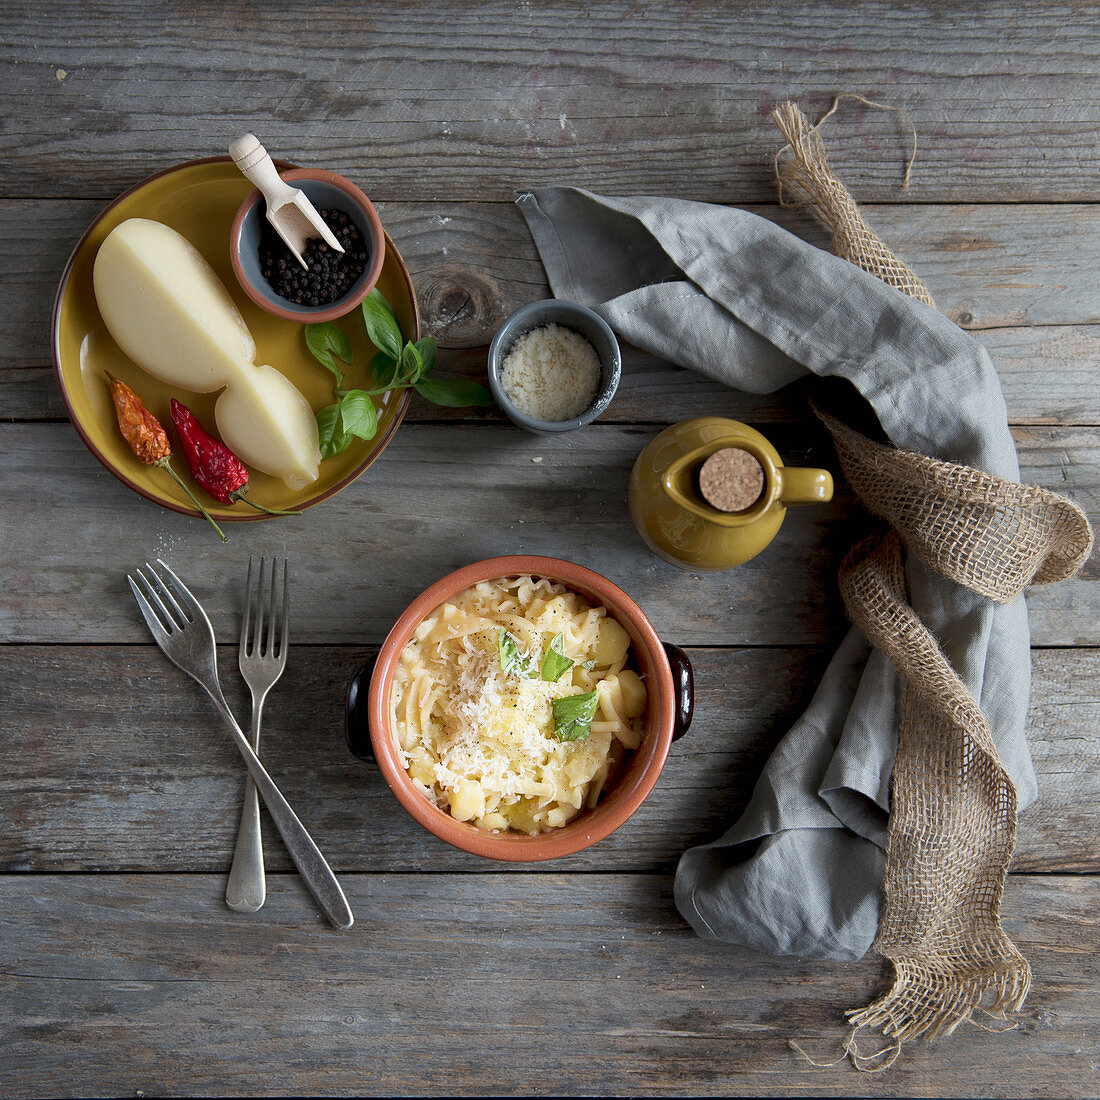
pixel 731 480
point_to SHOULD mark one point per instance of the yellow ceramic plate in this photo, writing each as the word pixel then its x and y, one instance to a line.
pixel 199 200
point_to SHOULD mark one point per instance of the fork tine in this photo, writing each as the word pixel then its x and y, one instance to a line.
pixel 284 622
pixel 166 597
pixel 152 591
pixel 258 626
pixel 180 590
pixel 246 617
pixel 147 612
pixel 272 609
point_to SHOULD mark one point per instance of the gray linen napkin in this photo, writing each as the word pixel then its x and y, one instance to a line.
pixel 729 294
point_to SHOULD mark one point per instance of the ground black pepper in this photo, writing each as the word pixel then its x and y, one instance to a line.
pixel 331 274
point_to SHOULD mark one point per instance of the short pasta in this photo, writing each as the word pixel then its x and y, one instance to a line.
pixel 479 740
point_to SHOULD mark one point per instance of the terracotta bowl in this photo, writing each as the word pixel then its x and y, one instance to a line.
pixel 326 191
pixel 668 678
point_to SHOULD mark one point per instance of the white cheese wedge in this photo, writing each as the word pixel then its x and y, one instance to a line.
pixel 169 312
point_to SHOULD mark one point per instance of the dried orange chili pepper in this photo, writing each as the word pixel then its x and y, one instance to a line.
pixel 147 439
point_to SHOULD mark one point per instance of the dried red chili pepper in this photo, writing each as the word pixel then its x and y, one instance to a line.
pixel 213 465
pixel 147 439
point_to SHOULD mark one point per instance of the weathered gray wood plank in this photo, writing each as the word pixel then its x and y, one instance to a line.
pixel 669 98
pixel 1023 277
pixel 72 531
pixel 483 985
pixel 116 762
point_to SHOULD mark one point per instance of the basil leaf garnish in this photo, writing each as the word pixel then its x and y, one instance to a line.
pixel 456 393
pixel 383 369
pixel 554 660
pixel 329 343
pixel 512 662
pixel 426 346
pixel 411 365
pixel 357 415
pixel 573 716
pixel 332 438
pixel 382 326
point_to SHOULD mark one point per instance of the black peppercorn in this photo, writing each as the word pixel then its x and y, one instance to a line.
pixel 331 274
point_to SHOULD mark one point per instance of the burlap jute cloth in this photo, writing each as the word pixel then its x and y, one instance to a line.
pixel 952 826
pixel 885 816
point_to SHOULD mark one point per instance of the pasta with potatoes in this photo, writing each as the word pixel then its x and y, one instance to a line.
pixel 513 702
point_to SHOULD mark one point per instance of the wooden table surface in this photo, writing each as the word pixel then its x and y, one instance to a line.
pixel 121 970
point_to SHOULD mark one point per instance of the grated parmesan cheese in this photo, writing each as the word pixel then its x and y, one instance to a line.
pixel 551 373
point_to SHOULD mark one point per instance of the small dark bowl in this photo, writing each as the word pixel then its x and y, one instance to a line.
pixel 327 191
pixel 569 315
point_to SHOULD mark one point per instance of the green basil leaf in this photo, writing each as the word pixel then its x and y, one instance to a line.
pixel 512 662
pixel 383 369
pixel 357 415
pixel 332 438
pixel 573 716
pixel 453 392
pixel 412 365
pixel 427 348
pixel 382 326
pixel 329 343
pixel 554 661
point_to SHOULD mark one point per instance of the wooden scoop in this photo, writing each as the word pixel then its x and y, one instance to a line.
pixel 294 217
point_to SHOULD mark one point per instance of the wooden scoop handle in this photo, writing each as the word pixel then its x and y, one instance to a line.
pixel 257 167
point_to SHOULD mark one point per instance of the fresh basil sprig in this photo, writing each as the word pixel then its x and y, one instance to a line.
pixel 554 661
pixel 396 366
pixel 573 716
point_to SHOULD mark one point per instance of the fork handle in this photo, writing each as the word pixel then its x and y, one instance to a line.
pixel 315 872
pixel 246 889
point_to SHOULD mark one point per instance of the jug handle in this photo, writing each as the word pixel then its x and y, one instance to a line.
pixel 804 485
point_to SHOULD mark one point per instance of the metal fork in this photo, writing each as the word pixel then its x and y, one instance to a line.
pixel 262 660
pixel 180 627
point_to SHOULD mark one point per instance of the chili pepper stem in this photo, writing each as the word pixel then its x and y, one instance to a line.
pixel 164 465
pixel 244 498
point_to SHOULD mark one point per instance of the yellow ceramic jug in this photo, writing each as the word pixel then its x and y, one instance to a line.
pixel 680 525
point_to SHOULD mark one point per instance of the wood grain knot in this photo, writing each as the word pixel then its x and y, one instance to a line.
pixel 461 308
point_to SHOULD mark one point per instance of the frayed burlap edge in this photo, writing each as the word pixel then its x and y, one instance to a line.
pixel 808 178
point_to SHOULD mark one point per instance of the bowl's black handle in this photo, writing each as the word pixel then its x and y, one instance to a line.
pixel 356 725
pixel 683 680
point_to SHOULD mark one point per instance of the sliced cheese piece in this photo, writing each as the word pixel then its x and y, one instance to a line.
pixel 269 425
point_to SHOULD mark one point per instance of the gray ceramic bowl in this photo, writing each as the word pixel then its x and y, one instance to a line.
pixel 327 191
pixel 572 316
